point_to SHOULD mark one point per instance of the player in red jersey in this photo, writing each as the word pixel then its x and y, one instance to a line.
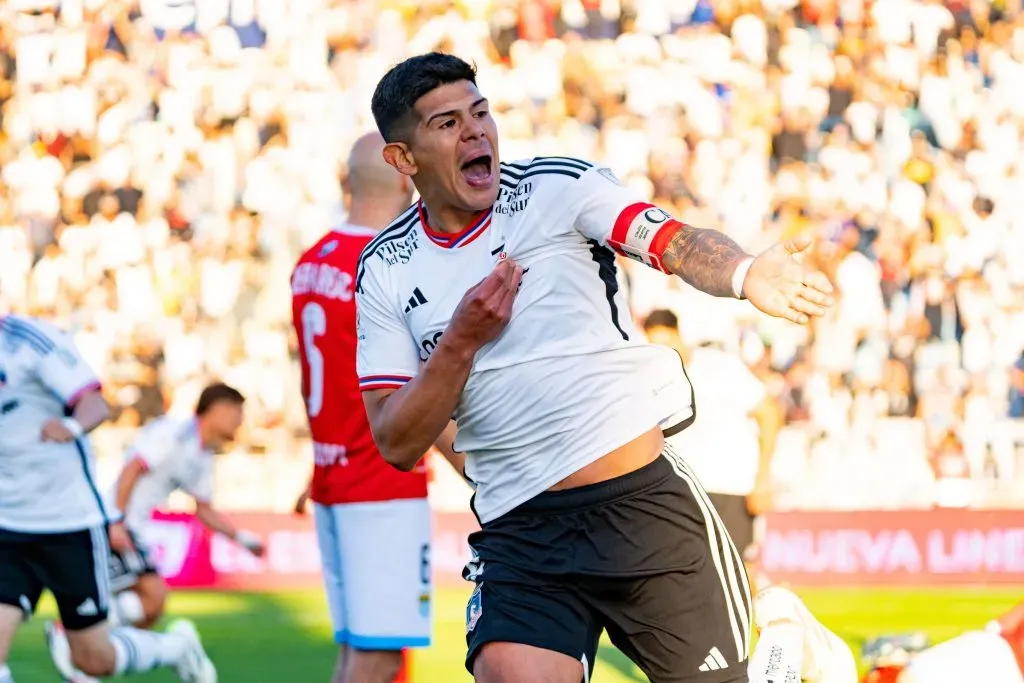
pixel 373 521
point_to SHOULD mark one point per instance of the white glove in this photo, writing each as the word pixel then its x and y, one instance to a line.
pixel 249 541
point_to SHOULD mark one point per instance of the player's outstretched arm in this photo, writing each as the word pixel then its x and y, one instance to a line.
pixel 406 422
pixel 774 282
pixel 705 259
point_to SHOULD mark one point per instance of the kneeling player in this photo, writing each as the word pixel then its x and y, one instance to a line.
pixel 994 655
pixel 169 454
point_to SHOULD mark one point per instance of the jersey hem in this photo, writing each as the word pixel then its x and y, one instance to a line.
pixel 371 501
pixel 79 525
pixel 573 466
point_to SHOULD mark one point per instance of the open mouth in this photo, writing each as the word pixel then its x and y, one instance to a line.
pixel 478 171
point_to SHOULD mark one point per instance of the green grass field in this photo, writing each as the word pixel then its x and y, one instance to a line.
pixel 286 637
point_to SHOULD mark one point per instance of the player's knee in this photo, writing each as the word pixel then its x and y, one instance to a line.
pixel 371 666
pixel 153 595
pixel 518 663
pixel 92 653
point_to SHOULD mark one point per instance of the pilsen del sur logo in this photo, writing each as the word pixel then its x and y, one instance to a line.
pixel 513 200
pixel 393 252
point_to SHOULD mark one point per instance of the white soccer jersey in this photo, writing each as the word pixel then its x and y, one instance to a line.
pixel 174 458
pixel 45 487
pixel 570 379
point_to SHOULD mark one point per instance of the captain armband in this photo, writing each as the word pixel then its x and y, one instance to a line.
pixel 642 232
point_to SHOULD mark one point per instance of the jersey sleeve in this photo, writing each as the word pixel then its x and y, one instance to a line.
pixel 63 370
pixel 386 355
pixel 154 446
pixel 200 484
pixel 619 217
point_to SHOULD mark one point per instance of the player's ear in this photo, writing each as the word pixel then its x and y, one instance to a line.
pixel 399 156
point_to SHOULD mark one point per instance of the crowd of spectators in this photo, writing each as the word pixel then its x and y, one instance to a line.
pixel 163 162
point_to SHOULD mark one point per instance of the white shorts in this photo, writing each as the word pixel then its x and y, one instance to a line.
pixel 974 656
pixel 376 561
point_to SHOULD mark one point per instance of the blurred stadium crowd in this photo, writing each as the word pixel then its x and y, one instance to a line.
pixel 163 162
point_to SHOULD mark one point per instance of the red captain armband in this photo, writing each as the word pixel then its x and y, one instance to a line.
pixel 642 232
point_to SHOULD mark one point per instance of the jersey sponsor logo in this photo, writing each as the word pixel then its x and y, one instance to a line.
pixel 327 249
pixel 416 300
pixel 394 252
pixel 512 200
pixel 328 454
pixel 322 279
pixel 428 344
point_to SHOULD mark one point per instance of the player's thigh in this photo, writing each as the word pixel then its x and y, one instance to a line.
pixel 532 629
pixel 10 619
pixel 75 567
pixel 518 663
pixel 385 558
pixel 679 606
pixel 91 649
pixel 20 582
pixel 329 542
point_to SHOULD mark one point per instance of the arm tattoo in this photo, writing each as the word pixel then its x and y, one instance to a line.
pixel 704 259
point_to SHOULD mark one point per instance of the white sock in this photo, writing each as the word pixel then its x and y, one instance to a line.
pixel 5 674
pixel 778 657
pixel 126 609
pixel 137 650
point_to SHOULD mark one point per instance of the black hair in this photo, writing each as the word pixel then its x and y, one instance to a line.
pixel 398 91
pixel 661 318
pixel 218 393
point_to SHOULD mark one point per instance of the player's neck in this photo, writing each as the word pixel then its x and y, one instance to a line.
pixel 373 215
pixel 201 430
pixel 447 219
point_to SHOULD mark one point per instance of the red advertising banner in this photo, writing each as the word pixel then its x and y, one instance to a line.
pixel 189 556
pixel 912 547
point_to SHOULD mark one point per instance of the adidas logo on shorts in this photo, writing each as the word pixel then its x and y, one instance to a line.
pixel 714 661
pixel 87 608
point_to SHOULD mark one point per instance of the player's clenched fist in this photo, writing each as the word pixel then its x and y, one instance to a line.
pixel 486 308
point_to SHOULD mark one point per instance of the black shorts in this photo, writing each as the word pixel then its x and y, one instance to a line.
pixel 738 521
pixel 126 567
pixel 72 565
pixel 642 556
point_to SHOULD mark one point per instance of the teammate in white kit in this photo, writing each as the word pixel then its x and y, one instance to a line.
pixel 169 454
pixel 494 300
pixel 53 520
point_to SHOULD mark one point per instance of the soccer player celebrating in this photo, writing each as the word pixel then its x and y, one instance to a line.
pixel 52 519
pixel 169 454
pixel 373 522
pixel 493 299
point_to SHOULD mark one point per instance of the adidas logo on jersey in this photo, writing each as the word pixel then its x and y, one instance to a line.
pixel 87 608
pixel 417 299
pixel 714 661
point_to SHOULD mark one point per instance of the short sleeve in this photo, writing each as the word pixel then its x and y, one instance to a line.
pixel 63 370
pixel 386 355
pixel 154 446
pixel 619 217
pixel 200 484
